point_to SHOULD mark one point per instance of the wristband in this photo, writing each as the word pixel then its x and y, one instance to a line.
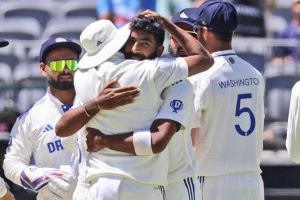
pixel 142 142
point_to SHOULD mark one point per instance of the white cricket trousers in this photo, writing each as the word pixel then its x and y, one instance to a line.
pixel 185 189
pixel 102 189
pixel 239 186
pixel 81 191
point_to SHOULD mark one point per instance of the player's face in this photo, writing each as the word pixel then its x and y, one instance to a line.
pixel 141 45
pixel 174 48
pixel 201 37
pixel 62 80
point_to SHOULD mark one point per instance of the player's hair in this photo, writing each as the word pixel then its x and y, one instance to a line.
pixel 149 25
pixel 223 37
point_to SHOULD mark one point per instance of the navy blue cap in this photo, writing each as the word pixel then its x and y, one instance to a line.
pixel 217 15
pixel 54 43
pixel 183 17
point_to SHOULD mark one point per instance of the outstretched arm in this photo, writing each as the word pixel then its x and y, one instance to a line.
pixel 160 133
pixel 108 98
pixel 198 59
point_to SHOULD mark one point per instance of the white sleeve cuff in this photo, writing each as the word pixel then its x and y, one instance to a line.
pixel 142 142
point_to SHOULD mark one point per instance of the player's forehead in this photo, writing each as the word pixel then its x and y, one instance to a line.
pixel 140 35
pixel 61 53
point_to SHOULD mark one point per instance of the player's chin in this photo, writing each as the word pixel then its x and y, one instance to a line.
pixel 66 85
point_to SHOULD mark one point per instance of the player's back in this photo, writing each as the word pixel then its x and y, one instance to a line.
pixel 151 77
pixel 229 96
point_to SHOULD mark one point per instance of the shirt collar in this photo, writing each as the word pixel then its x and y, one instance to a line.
pixel 58 103
pixel 223 53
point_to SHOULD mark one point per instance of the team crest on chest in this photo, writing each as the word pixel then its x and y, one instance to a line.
pixel 176 105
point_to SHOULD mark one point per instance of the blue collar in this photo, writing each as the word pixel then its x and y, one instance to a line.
pixel 66 107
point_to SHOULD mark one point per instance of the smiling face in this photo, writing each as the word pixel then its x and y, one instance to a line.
pixel 62 80
pixel 142 45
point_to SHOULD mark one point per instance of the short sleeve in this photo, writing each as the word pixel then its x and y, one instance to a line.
pixel 201 101
pixel 169 71
pixel 178 103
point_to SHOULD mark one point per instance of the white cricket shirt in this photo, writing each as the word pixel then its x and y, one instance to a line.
pixel 293 127
pixel 151 76
pixel 229 103
pixel 34 142
pixel 178 106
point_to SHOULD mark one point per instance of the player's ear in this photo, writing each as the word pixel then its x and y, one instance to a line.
pixel 42 69
pixel 160 50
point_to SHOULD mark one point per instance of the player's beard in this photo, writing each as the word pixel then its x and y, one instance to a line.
pixel 61 85
pixel 138 56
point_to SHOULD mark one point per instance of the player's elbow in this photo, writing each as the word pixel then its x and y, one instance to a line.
pixel 207 61
pixel 203 63
pixel 60 131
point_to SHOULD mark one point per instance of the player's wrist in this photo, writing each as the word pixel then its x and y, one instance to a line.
pixel 142 142
pixel 91 108
pixel 105 141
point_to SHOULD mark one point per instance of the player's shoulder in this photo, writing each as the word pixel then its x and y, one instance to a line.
pixel 182 86
pixel 34 109
pixel 167 60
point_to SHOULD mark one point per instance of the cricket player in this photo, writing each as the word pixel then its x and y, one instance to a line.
pixel 293 130
pixel 182 169
pixel 5 194
pixel 229 111
pixel 36 158
pixel 122 176
pixel 177 106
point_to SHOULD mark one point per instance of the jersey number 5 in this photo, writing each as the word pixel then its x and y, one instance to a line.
pixel 239 111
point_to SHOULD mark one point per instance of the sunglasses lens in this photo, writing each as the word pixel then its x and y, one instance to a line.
pixel 59 65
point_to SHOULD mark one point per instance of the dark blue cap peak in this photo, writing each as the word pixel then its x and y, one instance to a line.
pixel 184 16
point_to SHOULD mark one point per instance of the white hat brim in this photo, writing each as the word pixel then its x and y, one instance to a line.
pixel 111 48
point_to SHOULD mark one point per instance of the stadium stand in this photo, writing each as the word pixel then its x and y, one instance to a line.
pixel 42 11
pixel 67 27
pixel 256 59
pixel 20 28
pixel 29 85
pixel 71 9
pixel 277 101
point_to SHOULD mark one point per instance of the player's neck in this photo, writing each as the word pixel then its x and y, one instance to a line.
pixel 218 46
